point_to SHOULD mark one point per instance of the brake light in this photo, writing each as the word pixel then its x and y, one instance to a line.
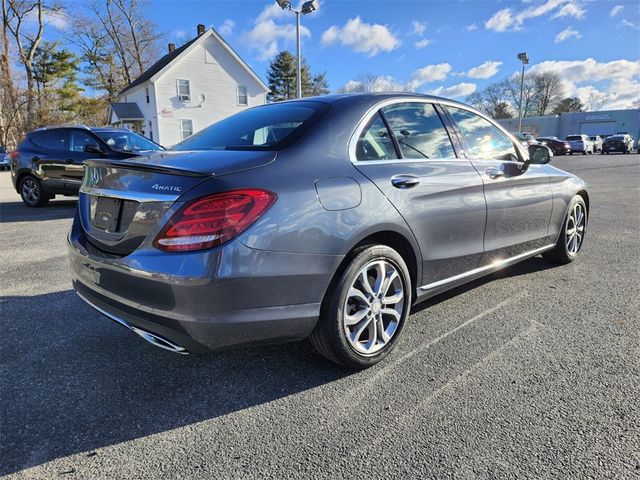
pixel 213 220
pixel 14 155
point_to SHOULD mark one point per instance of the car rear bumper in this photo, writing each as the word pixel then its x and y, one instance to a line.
pixel 227 296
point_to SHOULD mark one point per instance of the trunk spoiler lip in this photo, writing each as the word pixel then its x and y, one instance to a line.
pixel 133 165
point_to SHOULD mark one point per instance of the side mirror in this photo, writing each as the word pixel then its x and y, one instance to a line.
pixel 539 154
pixel 93 149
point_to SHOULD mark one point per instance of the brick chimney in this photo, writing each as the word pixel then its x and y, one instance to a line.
pixel 201 29
pixel 172 47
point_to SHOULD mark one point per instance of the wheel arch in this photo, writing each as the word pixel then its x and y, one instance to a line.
pixel 585 196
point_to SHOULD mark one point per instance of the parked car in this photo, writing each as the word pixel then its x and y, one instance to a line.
pixel 557 146
pixel 525 138
pixel 5 159
pixel 597 143
pixel 325 218
pixel 580 144
pixel 618 143
pixel 49 161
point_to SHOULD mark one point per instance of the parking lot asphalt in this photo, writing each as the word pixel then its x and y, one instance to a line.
pixel 533 372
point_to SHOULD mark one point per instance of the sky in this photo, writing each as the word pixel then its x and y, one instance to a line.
pixel 450 48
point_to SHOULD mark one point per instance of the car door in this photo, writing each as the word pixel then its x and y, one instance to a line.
pixel 51 157
pixel 78 142
pixel 405 149
pixel 518 195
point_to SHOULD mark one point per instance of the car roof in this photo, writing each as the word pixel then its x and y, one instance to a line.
pixel 375 96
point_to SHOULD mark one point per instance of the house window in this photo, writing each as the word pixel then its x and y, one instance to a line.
pixel 150 130
pixel 146 91
pixel 243 99
pixel 184 92
pixel 186 126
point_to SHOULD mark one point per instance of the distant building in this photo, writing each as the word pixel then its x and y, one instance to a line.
pixel 590 123
pixel 188 89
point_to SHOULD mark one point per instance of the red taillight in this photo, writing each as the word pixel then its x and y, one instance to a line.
pixel 211 221
pixel 14 155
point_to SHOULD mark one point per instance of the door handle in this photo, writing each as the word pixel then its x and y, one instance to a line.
pixel 68 160
pixel 494 173
pixel 405 181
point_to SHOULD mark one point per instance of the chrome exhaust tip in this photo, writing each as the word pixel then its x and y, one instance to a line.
pixel 148 336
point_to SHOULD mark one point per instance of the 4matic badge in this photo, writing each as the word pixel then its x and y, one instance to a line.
pixel 166 188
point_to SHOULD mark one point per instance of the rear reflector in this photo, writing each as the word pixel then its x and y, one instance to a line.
pixel 213 220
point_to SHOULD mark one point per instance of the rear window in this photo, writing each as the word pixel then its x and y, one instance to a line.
pixel 574 137
pixel 269 127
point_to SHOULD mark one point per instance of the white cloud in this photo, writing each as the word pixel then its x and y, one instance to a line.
pixel 455 91
pixel 501 21
pixel 362 37
pixel 226 28
pixel 615 10
pixel 56 18
pixel 485 70
pixel 506 19
pixel 268 37
pixel 618 81
pixel 566 34
pixel 422 43
pixel 570 10
pixel 265 37
pixel 471 28
pixel 430 73
pixel 627 23
pixel 382 83
pixel 418 27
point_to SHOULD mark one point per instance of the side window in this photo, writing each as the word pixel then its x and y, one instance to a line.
pixel 483 139
pixel 375 142
pixel 419 130
pixel 56 140
pixel 184 91
pixel 79 140
pixel 186 127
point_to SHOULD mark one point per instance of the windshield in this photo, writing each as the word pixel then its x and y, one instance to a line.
pixel 616 137
pixel 268 127
pixel 127 141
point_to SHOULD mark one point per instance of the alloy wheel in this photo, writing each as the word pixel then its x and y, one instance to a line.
pixel 575 229
pixel 30 190
pixel 374 307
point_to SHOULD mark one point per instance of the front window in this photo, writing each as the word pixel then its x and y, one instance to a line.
pixel 419 130
pixel 184 91
pixel 243 99
pixel 127 141
pixel 186 126
pixel 80 140
pixel 484 140
pixel 268 127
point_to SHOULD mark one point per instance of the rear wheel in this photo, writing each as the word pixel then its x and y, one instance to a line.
pixel 32 193
pixel 365 308
pixel 572 234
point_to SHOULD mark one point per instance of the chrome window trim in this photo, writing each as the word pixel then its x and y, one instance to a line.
pixel 496 265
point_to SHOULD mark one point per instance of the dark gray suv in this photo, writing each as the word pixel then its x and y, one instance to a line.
pixel 49 161
pixel 324 218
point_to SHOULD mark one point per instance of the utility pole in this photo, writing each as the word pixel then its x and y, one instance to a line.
pixel 525 60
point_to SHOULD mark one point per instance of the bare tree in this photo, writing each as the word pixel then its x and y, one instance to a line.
pixel 368 82
pixel 493 100
pixel 529 93
pixel 549 92
pixel 595 102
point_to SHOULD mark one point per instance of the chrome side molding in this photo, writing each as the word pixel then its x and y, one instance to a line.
pixel 152 338
pixel 497 265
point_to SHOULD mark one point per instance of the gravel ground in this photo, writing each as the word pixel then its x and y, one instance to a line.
pixel 533 372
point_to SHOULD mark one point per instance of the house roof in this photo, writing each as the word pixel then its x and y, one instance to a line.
pixel 155 69
pixel 127 111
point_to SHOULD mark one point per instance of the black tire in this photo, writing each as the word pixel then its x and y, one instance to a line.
pixel 560 253
pixel 329 338
pixel 32 193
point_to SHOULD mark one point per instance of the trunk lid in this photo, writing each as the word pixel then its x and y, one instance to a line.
pixel 122 202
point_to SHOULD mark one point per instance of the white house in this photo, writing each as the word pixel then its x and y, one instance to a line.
pixel 188 89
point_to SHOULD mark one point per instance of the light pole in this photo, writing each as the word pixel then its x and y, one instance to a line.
pixel 525 60
pixel 307 7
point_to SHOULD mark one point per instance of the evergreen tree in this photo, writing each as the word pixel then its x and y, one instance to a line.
pixel 568 105
pixel 281 77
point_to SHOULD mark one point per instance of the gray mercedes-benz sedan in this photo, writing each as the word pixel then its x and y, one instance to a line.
pixel 324 218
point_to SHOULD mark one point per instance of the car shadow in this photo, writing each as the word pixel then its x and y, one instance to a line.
pixel 531 265
pixel 11 212
pixel 73 381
